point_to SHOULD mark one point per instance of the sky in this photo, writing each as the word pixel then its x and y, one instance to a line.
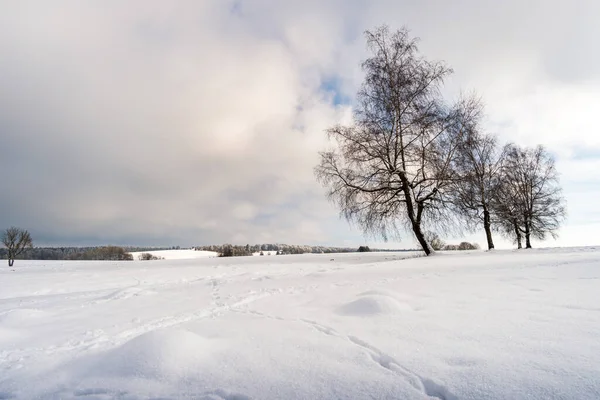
pixel 199 122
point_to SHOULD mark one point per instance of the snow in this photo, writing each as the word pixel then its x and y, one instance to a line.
pixel 171 353
pixel 373 305
pixel 483 325
pixel 265 253
pixel 180 254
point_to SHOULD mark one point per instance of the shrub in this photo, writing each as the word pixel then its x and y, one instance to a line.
pixel 149 257
pixel 462 246
pixel 435 241
pixel 466 246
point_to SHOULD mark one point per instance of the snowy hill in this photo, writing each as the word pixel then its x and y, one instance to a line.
pixel 176 254
pixel 498 325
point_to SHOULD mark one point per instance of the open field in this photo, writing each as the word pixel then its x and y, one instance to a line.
pixel 481 325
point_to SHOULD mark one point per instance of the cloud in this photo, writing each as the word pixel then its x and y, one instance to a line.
pixel 169 124
pixel 192 122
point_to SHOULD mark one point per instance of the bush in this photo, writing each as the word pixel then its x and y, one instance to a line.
pixel 149 257
pixel 466 246
pixel 364 249
pixel 462 246
pixel 435 241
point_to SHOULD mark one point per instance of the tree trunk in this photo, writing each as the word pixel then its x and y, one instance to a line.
pixel 527 241
pixel 415 219
pixel 518 235
pixel 421 238
pixel 11 262
pixel 527 234
pixel 487 225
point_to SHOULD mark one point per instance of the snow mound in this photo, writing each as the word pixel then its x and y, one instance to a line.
pixel 382 292
pixel 370 305
pixel 167 354
pixel 20 316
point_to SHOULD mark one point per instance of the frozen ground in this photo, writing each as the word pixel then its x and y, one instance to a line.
pixel 500 325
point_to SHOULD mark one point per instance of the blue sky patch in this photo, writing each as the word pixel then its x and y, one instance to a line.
pixel 332 86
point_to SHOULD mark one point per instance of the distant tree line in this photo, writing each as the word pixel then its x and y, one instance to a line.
pixel 413 161
pixel 107 253
pixel 229 250
pixel 78 253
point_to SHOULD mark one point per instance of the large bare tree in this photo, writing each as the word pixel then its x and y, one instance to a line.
pixel 392 168
pixel 481 173
pixel 534 205
pixel 16 241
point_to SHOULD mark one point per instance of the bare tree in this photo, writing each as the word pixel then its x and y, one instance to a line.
pixel 480 171
pixel 16 241
pixel 536 207
pixel 507 210
pixel 392 167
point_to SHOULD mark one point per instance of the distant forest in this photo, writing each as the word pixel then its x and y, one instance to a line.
pixel 80 253
pixel 228 250
pixel 117 253
pixel 122 253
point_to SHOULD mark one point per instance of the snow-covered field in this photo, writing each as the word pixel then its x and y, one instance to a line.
pixel 498 325
pixel 176 254
pixel 187 254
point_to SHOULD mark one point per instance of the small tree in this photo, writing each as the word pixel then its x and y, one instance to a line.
pixel 364 249
pixel 479 169
pixel 533 201
pixel 16 241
